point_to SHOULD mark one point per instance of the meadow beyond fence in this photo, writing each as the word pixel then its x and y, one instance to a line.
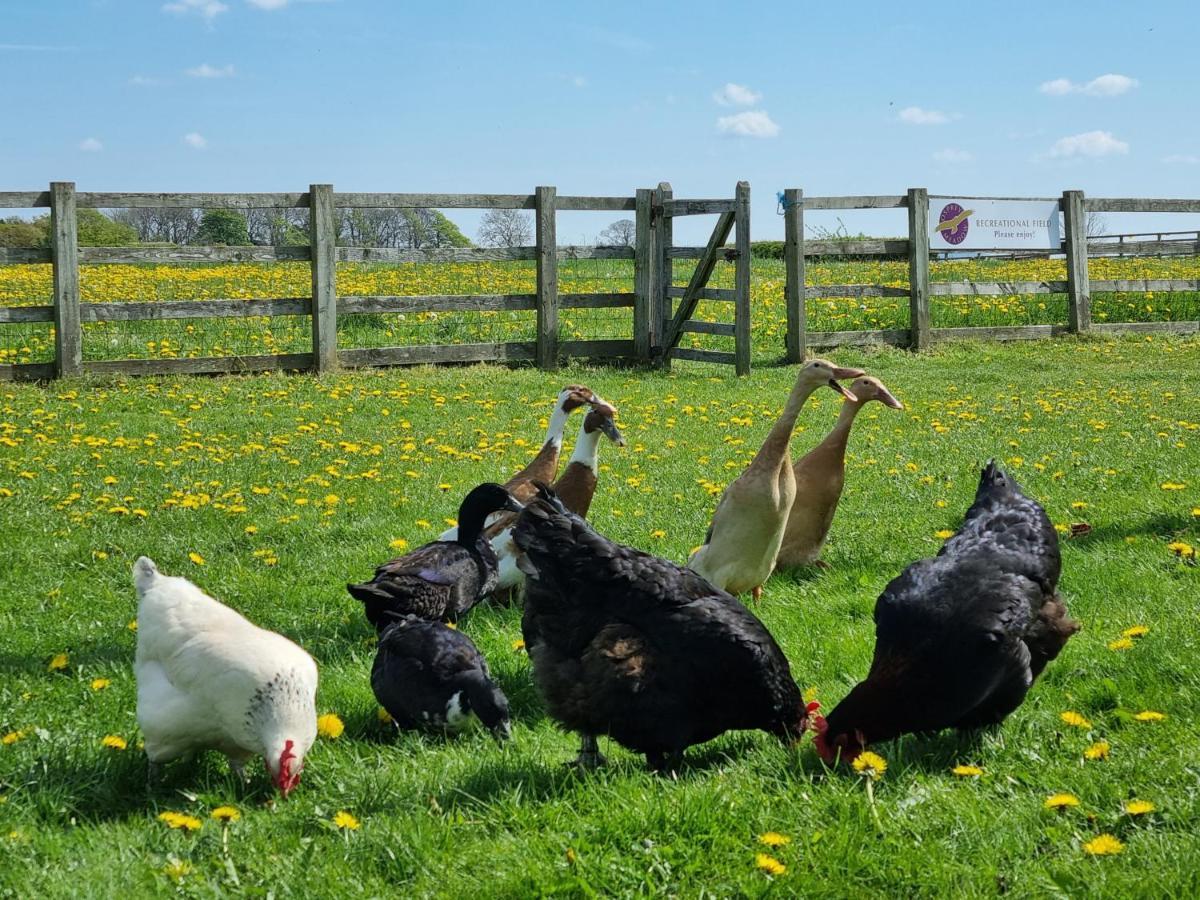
pixel 161 308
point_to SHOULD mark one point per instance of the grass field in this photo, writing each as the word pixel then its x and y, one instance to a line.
pixel 31 284
pixel 272 492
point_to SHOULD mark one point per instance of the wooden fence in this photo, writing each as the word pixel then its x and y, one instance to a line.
pixel 647 300
pixel 1077 286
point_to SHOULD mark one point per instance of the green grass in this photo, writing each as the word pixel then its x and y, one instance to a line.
pixel 1101 423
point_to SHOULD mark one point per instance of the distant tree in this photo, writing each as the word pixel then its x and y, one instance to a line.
pixel 222 226
pixel 620 233
pixel 98 230
pixel 403 228
pixel 1095 225
pixel 18 232
pixel 277 227
pixel 505 228
pixel 161 225
pixel 442 232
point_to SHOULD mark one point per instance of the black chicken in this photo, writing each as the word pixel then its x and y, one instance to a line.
pixel 428 675
pixel 442 579
pixel 635 647
pixel 960 638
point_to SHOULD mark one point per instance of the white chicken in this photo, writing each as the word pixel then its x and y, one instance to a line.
pixel 207 678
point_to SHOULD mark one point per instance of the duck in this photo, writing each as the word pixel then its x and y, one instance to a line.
pixel 428 675
pixel 742 544
pixel 575 488
pixel 544 466
pixel 961 637
pixel 440 580
pixel 820 476
pixel 640 649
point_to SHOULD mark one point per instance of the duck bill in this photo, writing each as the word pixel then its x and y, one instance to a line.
pixel 609 427
pixel 843 391
pixel 888 399
pixel 840 372
pixel 513 504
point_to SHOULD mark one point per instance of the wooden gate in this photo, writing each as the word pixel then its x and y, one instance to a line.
pixel 674 321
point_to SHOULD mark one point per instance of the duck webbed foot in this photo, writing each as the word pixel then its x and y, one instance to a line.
pixel 590 758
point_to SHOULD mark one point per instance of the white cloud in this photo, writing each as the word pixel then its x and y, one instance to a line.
pixel 90 145
pixel 914 115
pixel 269 4
pixel 204 70
pixel 1110 85
pixel 206 9
pixel 195 139
pixel 579 81
pixel 751 123
pixel 145 81
pixel 952 155
pixel 1183 159
pixel 1090 143
pixel 736 95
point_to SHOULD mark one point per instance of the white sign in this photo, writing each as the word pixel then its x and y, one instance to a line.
pixel 974 224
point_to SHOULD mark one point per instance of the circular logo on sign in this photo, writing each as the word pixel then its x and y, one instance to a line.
pixel 953 223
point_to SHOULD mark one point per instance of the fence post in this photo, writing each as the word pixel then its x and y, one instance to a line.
pixel 544 199
pixel 644 259
pixel 794 278
pixel 322 227
pixel 64 253
pixel 918 268
pixel 1079 294
pixel 661 309
pixel 741 279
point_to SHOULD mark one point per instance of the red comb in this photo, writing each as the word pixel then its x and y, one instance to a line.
pixel 812 707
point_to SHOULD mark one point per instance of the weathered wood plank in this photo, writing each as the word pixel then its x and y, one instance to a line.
pixel 794 291
pixel 24 199
pixel 699 278
pixel 708 356
pixel 685 252
pixel 204 365
pixel 19 255
pixel 1139 204
pixel 643 272
pixel 118 255
pixel 896 337
pixel 727 294
pixel 547 277
pixel 999 333
pixel 856 247
pixel 574 251
pixel 660 308
pixel 322 233
pixel 610 349
pixel 854 290
pixel 26 371
pixel 140 199
pixel 1079 300
pixel 995 288
pixel 918 267
pixel 1144 248
pixel 433 201
pixel 1190 327
pixel 434 254
pixel 438 353
pixel 595 301
pixel 864 201
pixel 697 207
pixel 741 279
pixel 64 247
pixel 354 306
pixel 14 314
pixel 192 309
pixel 597 204
pixel 697 327
pixel 1137 285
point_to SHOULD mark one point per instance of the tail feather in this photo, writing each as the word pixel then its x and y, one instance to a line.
pixel 379 606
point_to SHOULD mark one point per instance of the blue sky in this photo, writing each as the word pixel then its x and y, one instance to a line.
pixel 979 99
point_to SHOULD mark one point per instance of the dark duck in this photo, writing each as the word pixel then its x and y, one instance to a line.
pixel 960 638
pixel 634 647
pixel 428 675
pixel 442 579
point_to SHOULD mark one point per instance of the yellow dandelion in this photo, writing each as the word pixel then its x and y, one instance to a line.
pixel 1196 511
pixel 870 764
pixel 1074 720
pixel 1079 504
pixel 1172 486
pixel 99 684
pixel 769 864
pixel 518 646
pixel 196 558
pixel 1120 644
pixel 114 742
pixel 181 821
pixel 1181 549
pixel 571 856
pixel 1138 807
pixel 11 738
pixel 58 662
pixel 226 814
pixel 1149 715
pixel 346 822
pixel 330 726
pixel 809 695
pixel 131 625
pixel 943 534
pixel 967 771
pixel 422 523
pixel 658 534
pixel 250 529
pixel 1060 801
pixel 1136 631
pixel 383 716
pixel 774 839
pixel 1098 750
pixel 177 870
pixel 398 544
pixel 1103 845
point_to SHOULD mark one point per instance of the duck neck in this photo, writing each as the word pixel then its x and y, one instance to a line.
pixel 839 435
pixel 558 424
pixel 776 444
pixel 587 448
pixel 471 520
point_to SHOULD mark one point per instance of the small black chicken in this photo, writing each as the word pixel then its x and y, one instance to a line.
pixel 960 638
pixel 442 579
pixel 429 675
pixel 635 647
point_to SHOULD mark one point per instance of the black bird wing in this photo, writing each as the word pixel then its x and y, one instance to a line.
pixel 438 580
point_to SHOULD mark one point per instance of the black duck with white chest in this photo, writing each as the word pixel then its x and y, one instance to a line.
pixel 443 579
pixel 635 647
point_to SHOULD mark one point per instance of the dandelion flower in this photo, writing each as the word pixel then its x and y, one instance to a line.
pixel 176 870
pixel 1172 486
pixel 226 814
pixel 114 742
pixel 1074 719
pixel 1098 750
pixel 774 839
pixel 967 771
pixel 809 695
pixel 870 764
pixel 330 726
pixel 658 534
pixel 346 822
pixel 383 716
pixel 1060 801
pixel 1138 807
pixel 1149 715
pixel 1120 644
pixel 398 544
pixel 196 558
pixel 571 856
pixel 99 684
pixel 181 821
pixel 769 864
pixel 518 645
pixel 11 738
pixel 59 662
pixel 1103 845
pixel 131 625
pixel 1181 549
pixel 1136 631
pixel 943 534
